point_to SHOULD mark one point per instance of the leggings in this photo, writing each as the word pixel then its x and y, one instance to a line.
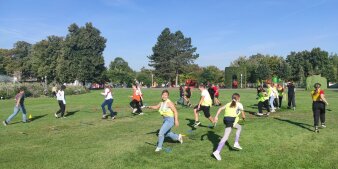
pixel 318 109
pixel 226 136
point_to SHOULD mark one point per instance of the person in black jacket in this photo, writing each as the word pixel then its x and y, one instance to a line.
pixel 291 96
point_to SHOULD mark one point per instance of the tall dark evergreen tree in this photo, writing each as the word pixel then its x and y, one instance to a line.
pixel 171 53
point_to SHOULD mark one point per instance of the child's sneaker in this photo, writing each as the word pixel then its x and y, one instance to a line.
pixel 236 145
pixel 180 138
pixel 197 123
pixel 217 156
pixel 323 125
pixel 158 149
pixel 259 114
pixel 4 123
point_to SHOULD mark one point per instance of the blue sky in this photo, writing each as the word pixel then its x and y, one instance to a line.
pixel 222 30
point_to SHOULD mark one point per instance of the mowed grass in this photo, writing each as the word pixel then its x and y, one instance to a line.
pixel 83 140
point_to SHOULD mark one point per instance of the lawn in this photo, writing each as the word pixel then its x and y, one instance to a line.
pixel 83 140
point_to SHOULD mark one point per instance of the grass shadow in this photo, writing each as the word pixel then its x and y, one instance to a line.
pixel 301 125
pixel 37 117
pixel 192 122
pixel 71 113
pixel 215 139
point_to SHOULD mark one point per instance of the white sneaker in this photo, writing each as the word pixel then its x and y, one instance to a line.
pixel 197 123
pixel 323 126
pixel 259 114
pixel 134 110
pixel 56 115
pixel 158 149
pixel 217 156
pixel 143 107
pixel 141 113
pixel 268 113
pixel 273 110
pixel 180 138
pixel 236 145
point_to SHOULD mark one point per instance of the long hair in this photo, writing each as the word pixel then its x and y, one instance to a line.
pixel 235 97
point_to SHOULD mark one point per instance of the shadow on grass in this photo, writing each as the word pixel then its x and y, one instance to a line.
pixel 192 122
pixel 71 113
pixel 215 139
pixel 37 117
pixel 301 125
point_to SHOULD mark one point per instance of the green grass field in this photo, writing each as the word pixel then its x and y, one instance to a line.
pixel 83 140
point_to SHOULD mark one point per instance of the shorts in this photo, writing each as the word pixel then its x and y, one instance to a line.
pixel 229 121
pixel 188 96
pixel 205 109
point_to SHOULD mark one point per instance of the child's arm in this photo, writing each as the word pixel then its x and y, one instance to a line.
pixel 201 101
pixel 173 108
pixel 154 107
pixel 243 115
pixel 218 112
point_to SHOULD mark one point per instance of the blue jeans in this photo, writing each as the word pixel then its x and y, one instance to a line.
pixel 168 123
pixel 108 102
pixel 271 100
pixel 16 111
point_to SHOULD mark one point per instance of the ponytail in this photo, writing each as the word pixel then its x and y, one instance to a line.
pixel 235 97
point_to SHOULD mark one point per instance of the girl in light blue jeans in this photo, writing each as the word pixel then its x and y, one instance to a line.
pixel 170 118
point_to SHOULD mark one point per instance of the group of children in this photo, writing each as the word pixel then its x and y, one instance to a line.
pixel 167 109
pixel 272 98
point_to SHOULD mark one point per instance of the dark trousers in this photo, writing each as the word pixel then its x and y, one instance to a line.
pixel 291 100
pixel 109 104
pixel 136 104
pixel 62 108
pixel 263 104
pixel 280 101
pixel 318 109
pixel 275 102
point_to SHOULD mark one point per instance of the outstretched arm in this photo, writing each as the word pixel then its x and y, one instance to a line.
pixel 154 107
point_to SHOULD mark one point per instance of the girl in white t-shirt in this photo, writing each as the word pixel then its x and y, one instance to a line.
pixel 108 101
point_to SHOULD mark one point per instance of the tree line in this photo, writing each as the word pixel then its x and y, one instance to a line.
pixel 79 56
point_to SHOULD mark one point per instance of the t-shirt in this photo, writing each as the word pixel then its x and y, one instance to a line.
pixel 108 94
pixel 216 90
pixel 233 111
pixel 211 91
pixel 291 89
pixel 60 96
pixel 21 97
pixel 207 99
pixel 316 97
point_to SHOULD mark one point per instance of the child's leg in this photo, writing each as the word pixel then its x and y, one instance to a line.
pixel 110 104
pixel 238 132
pixel 103 107
pixel 23 109
pixel 224 139
pixel 166 126
pixel 196 113
pixel 15 112
pixel 260 107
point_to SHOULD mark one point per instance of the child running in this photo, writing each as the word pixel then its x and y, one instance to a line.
pixel 60 96
pixel 318 106
pixel 19 105
pixel 170 118
pixel 135 102
pixel 204 105
pixel 263 101
pixel 231 118
pixel 187 96
pixel 108 101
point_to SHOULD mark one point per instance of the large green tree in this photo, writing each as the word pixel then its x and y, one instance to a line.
pixel 83 54
pixel 120 72
pixel 171 53
pixel 45 55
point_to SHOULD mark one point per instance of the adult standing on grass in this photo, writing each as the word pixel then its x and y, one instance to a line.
pixel 135 101
pixel 204 104
pixel 108 101
pixel 318 106
pixel 263 101
pixel 170 118
pixel 231 117
pixel 291 96
pixel 60 96
pixel 19 105
pixel 216 89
